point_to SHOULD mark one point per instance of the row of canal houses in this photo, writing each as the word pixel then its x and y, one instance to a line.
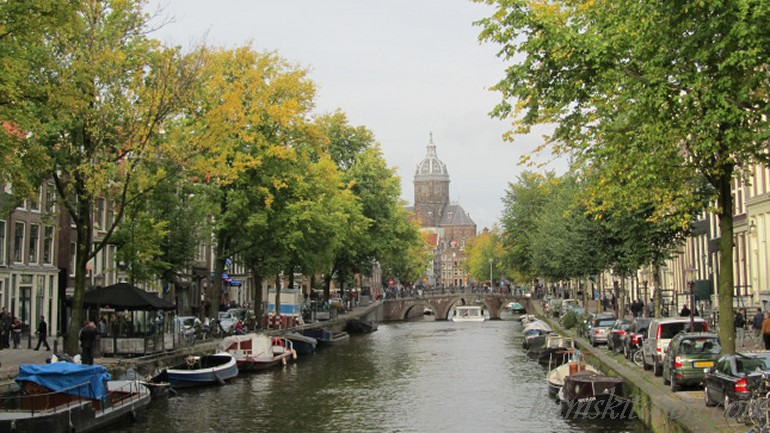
pixel 694 270
pixel 37 255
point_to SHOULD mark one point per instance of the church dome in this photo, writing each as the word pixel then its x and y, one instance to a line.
pixel 431 167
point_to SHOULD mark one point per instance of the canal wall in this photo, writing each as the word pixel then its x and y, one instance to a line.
pixel 661 410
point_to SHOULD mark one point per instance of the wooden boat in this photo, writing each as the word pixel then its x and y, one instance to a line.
pixel 254 352
pixel 556 376
pixel 556 350
pixel 588 393
pixel 68 397
pixel 303 344
pixel 327 338
pixel 203 370
pixel 468 313
pixel 360 326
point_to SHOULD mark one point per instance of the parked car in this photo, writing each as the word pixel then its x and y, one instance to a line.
pixel 730 379
pixel 687 356
pixel 585 328
pixel 566 304
pixel 660 331
pixel 600 327
pixel 616 334
pixel 636 333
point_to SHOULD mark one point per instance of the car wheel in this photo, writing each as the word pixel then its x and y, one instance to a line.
pixel 657 370
pixel 674 385
pixel 645 365
pixel 707 398
pixel 666 380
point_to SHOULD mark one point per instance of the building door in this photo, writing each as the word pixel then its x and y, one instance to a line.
pixel 25 305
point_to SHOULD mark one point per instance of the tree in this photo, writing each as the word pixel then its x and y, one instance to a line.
pixel 691 104
pixel 104 91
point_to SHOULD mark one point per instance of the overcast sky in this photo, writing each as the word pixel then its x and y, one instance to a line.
pixel 401 68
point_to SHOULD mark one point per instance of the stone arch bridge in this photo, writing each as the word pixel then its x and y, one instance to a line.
pixel 400 309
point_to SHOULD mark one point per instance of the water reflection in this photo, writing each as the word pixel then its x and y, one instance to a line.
pixel 426 376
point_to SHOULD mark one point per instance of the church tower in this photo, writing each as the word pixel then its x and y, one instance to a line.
pixel 431 188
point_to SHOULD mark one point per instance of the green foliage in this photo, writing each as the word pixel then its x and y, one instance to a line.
pixel 571 319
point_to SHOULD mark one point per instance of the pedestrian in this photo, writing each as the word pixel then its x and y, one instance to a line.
pixel 42 334
pixel 684 312
pixel 756 323
pixel 16 332
pixel 6 320
pixel 87 343
pixel 740 330
pixel 766 331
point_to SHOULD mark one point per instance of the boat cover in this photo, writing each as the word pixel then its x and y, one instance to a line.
pixel 87 381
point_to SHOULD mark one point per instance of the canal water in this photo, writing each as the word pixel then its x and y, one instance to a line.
pixel 429 376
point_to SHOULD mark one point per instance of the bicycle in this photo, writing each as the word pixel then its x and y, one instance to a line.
pixel 756 411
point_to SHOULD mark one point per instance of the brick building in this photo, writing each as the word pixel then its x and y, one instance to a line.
pixel 448 226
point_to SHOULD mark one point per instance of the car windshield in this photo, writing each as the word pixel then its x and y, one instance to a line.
pixel 694 346
pixel 750 365
pixel 604 323
pixel 668 330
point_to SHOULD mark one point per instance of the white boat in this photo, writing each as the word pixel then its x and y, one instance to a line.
pixel 203 370
pixel 468 313
pixel 557 375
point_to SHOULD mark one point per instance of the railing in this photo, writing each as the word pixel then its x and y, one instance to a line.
pixel 62 400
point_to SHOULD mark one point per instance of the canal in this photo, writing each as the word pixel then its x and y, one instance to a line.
pixel 428 376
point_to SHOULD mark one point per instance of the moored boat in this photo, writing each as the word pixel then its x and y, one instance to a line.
pixel 69 397
pixel 556 376
pixel 254 352
pixel 468 313
pixel 326 337
pixel 556 350
pixel 203 370
pixel 303 344
pixel 360 326
pixel 592 394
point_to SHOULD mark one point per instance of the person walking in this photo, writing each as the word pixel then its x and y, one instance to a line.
pixel 16 331
pixel 766 331
pixel 42 334
pixel 756 323
pixel 740 330
pixel 88 341
pixel 6 320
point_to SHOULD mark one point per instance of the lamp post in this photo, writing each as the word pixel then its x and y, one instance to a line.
pixel 690 272
pixel 491 282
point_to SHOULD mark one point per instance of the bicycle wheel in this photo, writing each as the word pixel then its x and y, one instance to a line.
pixel 638 358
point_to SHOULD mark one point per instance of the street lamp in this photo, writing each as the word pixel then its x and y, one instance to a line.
pixel 690 272
pixel 491 283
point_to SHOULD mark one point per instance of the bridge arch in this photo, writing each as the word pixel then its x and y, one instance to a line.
pixel 398 309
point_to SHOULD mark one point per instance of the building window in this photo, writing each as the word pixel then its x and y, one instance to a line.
pixel 48 245
pixel 34 203
pixel 73 258
pixel 100 213
pixel 34 239
pixel 50 198
pixel 2 242
pixel 18 242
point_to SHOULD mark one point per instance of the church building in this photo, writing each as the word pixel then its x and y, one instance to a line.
pixel 447 224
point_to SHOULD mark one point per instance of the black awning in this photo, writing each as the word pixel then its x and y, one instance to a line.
pixel 124 296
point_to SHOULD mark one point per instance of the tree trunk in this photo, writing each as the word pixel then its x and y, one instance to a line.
pixel 726 314
pixel 84 229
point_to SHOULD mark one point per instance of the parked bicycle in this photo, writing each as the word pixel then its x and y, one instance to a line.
pixel 755 411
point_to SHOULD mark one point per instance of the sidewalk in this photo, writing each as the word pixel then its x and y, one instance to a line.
pixel 10 359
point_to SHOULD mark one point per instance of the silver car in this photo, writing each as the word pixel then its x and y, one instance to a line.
pixel 600 329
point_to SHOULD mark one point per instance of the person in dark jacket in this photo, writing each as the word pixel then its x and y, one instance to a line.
pixel 42 334
pixel 740 329
pixel 87 343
